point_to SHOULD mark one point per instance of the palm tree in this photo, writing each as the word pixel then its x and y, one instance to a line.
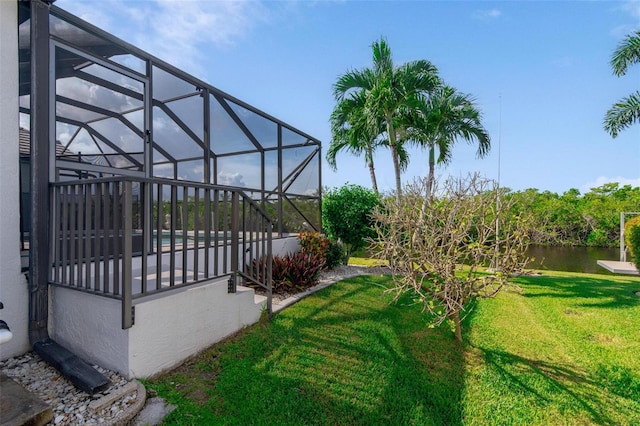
pixel 627 110
pixel 388 93
pixel 444 118
pixel 351 133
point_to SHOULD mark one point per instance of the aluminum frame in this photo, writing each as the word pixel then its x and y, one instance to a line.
pixel 154 153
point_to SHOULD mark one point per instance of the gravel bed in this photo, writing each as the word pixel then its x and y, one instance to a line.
pixel 70 405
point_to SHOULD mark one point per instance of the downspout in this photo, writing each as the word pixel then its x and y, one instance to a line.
pixel 76 370
pixel 40 128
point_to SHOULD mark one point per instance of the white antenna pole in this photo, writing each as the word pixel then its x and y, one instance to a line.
pixel 499 135
pixel 623 254
pixel 497 252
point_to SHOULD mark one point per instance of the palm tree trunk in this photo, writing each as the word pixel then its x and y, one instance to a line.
pixel 391 132
pixel 429 195
pixel 374 182
pixel 396 167
pixel 372 170
pixel 432 174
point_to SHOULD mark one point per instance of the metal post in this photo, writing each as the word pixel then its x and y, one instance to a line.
pixel 235 241
pixel 147 229
pixel 280 197
pixel 127 309
pixel 269 269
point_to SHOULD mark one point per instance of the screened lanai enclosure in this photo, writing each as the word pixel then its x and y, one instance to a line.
pixel 144 178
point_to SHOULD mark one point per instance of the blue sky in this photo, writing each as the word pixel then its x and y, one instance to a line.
pixel 539 72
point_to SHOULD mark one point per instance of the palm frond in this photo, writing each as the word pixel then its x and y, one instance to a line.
pixel 403 156
pixel 418 76
pixel 353 80
pixel 626 54
pixel 622 114
pixel 353 129
pixel 335 147
pixel 382 60
pixel 446 116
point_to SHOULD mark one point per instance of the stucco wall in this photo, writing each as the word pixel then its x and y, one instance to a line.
pixel 282 246
pixel 169 330
pixel 90 327
pixel 13 285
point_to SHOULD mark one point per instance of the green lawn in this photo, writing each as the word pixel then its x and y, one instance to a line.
pixel 564 350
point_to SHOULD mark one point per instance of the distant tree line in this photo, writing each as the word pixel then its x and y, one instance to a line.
pixel 591 219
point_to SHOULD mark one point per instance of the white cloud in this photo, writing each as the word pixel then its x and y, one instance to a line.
pixel 163 170
pixel 231 179
pixel 601 180
pixel 488 14
pixel 622 31
pixel 174 30
pixel 179 29
pixel 632 8
pixel 99 14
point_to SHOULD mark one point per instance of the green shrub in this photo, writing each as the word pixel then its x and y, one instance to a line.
pixel 346 215
pixel 336 255
pixel 632 239
pixel 597 238
pixel 330 251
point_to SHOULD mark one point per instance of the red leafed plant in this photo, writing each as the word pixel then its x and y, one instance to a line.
pixel 297 271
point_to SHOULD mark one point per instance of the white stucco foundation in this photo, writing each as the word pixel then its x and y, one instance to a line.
pixel 13 285
pixel 90 327
pixel 169 327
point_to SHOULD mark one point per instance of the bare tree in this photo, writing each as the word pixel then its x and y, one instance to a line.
pixel 443 262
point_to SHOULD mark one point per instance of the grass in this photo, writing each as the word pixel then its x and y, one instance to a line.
pixel 563 350
pixel 366 261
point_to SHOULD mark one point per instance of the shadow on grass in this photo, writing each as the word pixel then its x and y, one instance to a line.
pixel 603 292
pixel 545 384
pixel 344 356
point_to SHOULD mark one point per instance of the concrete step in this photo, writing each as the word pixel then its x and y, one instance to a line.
pixel 19 407
pixel 259 299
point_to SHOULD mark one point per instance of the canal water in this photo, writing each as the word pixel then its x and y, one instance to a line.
pixel 571 259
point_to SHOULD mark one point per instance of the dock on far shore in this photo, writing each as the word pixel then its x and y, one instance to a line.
pixel 618 267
